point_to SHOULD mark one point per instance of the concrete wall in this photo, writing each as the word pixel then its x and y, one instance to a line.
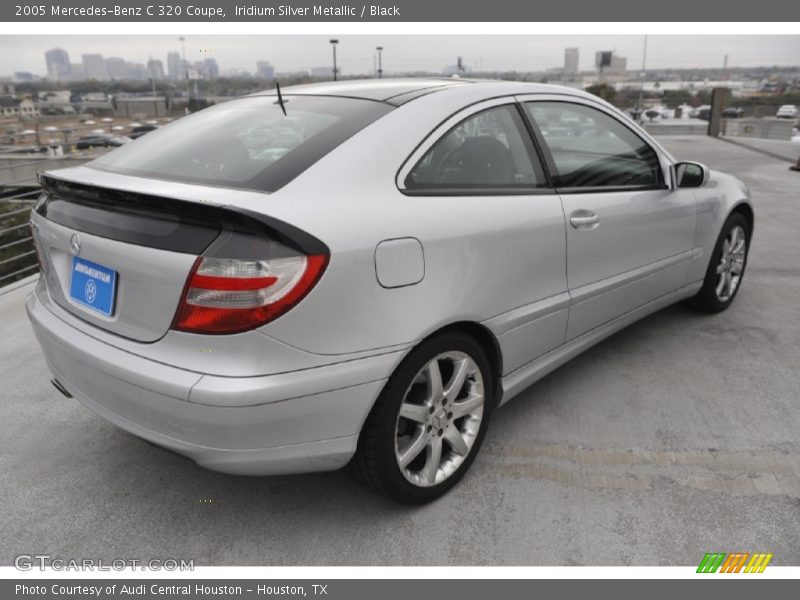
pixel 676 128
pixel 770 129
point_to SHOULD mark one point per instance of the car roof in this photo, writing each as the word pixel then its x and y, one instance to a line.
pixel 398 91
pixel 391 90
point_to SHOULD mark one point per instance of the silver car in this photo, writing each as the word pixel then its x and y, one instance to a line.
pixel 358 273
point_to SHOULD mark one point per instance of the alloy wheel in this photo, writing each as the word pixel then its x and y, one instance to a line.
pixel 439 419
pixel 731 263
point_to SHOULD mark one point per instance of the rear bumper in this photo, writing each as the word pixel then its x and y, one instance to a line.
pixel 285 423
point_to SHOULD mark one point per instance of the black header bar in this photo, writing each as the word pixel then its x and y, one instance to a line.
pixel 398 11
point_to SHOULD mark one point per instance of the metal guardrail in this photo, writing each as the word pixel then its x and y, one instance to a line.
pixel 17 251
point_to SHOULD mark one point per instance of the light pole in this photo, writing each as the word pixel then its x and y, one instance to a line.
pixel 335 70
pixel 182 40
pixel 380 61
pixel 151 68
pixel 644 71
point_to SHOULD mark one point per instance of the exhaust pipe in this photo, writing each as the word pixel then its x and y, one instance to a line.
pixel 57 384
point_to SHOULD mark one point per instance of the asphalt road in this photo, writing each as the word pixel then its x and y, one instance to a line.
pixel 677 436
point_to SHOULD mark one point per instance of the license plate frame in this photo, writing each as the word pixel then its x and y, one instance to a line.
pixel 93 285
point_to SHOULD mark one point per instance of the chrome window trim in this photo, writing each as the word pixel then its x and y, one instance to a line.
pixel 665 160
pixel 442 129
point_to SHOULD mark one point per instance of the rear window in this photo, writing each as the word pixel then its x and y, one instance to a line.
pixel 245 143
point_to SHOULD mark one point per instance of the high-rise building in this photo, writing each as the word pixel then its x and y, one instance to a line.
pixel 571 61
pixel 264 70
pixel 137 71
pixel 175 67
pixel 94 67
pixel 117 68
pixel 58 67
pixel 610 66
pixel 210 68
pixel 156 69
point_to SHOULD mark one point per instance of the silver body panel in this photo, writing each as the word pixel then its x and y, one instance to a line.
pixel 401 268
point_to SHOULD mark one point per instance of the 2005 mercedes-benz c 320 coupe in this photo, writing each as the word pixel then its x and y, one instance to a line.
pixel 358 273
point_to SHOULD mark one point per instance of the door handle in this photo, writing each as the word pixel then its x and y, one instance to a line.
pixel 584 219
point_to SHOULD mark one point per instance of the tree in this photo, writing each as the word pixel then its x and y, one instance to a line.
pixel 676 98
pixel 604 91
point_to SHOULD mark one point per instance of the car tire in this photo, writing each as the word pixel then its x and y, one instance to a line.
pixel 414 413
pixel 729 259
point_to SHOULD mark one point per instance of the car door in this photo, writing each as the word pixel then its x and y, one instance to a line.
pixel 493 217
pixel 629 233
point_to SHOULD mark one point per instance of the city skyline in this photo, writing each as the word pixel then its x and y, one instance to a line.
pixel 96 66
pixel 405 53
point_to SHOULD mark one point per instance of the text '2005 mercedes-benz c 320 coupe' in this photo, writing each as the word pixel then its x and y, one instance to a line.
pixel 359 273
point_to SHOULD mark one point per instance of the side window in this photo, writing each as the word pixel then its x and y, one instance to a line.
pixel 591 149
pixel 490 149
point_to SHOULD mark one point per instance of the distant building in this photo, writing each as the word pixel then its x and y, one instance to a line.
pixel 611 67
pixel 58 66
pixel 94 67
pixel 56 96
pixel 137 71
pixel 155 69
pixel 56 103
pixel 323 72
pixel 94 97
pixel 264 70
pixel 457 69
pixel 27 108
pixel 175 68
pixel 292 74
pixel 24 76
pixel 8 106
pixel 15 107
pixel 141 107
pixel 7 88
pixel 117 68
pixel 210 69
pixel 571 62
pixel 97 104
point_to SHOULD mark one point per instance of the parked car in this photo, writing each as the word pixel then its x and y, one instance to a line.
pixel 703 112
pixel 788 111
pixel 368 295
pixel 101 140
pixel 140 130
pixel 733 112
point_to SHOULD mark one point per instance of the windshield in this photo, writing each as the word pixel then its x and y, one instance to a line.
pixel 245 143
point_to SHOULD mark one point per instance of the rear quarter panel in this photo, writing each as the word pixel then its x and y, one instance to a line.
pixel 473 246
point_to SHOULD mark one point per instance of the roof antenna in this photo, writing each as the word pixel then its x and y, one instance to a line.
pixel 280 98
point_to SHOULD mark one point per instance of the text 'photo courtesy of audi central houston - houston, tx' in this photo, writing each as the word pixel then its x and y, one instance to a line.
pixel 359 273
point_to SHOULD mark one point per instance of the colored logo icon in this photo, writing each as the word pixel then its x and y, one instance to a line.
pixel 90 291
pixel 736 562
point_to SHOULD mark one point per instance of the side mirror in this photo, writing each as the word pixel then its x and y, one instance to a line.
pixel 691 174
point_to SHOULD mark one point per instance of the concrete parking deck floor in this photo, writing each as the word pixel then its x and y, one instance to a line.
pixel 677 436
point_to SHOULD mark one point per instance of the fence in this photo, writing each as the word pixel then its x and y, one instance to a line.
pixel 17 198
pixel 17 253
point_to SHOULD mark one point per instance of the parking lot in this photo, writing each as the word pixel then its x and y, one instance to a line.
pixel 675 437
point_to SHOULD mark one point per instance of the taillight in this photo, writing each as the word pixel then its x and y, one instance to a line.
pixel 36 246
pixel 226 295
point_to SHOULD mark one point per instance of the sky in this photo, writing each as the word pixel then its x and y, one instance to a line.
pixel 356 53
